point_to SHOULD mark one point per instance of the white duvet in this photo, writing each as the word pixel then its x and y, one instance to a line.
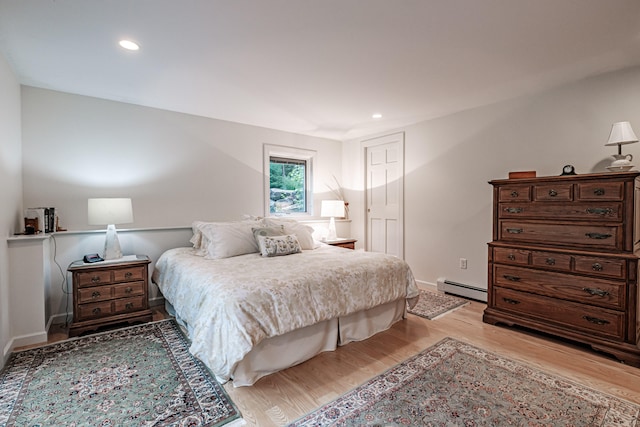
pixel 232 304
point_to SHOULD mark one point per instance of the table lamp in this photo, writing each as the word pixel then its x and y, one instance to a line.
pixel 109 212
pixel 621 134
pixel 333 209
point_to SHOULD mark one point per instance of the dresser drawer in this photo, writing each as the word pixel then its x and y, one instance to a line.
pixel 570 315
pixel 588 290
pixel 600 191
pixel 553 192
pixel 515 193
pixel 128 274
pixel 610 267
pixel 511 256
pixel 93 311
pixel 583 211
pixel 92 278
pixel 567 234
pixel 551 260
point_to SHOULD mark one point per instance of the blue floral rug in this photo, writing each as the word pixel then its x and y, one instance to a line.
pixel 456 384
pixel 142 375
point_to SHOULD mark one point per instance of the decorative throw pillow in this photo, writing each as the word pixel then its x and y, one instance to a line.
pixel 226 239
pixel 278 245
pixel 304 233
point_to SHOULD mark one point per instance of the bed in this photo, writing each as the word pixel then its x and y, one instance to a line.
pixel 250 314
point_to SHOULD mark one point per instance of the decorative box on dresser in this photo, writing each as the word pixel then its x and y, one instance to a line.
pixel 564 259
pixel 107 293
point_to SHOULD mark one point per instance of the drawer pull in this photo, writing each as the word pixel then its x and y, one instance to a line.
pixel 600 211
pixel 95 294
pixel 95 279
pixel 511 257
pixel 96 310
pixel 597 236
pixel 128 275
pixel 515 230
pixel 513 210
pixel 511 301
pixel 128 290
pixel 599 191
pixel 553 193
pixel 128 305
pixel 596 320
pixel 511 278
pixel 598 292
pixel 550 261
pixel 596 267
pixel 514 194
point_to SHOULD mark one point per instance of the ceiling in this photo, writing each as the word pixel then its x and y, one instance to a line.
pixel 316 67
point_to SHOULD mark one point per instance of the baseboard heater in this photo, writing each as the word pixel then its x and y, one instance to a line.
pixel 462 290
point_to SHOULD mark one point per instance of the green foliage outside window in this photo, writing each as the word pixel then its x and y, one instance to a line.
pixel 287 179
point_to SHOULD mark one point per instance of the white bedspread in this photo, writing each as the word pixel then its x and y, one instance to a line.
pixel 234 303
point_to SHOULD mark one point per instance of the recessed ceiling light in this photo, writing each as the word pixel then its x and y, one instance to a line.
pixel 129 45
pixel 376 116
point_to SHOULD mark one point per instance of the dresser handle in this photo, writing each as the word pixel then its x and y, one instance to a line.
pixel 96 310
pixel 128 290
pixel 600 211
pixel 599 191
pixel 128 275
pixel 514 194
pixel 596 267
pixel 513 210
pixel 550 261
pixel 511 257
pixel 553 193
pixel 511 278
pixel 597 236
pixel 511 301
pixel 598 292
pixel 95 279
pixel 515 230
pixel 95 294
pixel 128 305
pixel 596 320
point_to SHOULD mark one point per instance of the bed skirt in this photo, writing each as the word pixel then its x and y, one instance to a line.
pixel 281 352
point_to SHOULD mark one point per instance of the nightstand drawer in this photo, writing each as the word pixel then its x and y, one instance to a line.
pixel 128 304
pixel 106 292
pixel 93 311
pixel 124 290
pixel 128 274
pixel 92 278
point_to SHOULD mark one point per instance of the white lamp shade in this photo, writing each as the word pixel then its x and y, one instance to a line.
pixel 332 208
pixel 621 133
pixel 110 211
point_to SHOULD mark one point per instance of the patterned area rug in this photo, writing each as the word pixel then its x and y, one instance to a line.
pixel 456 384
pixel 142 375
pixel 432 305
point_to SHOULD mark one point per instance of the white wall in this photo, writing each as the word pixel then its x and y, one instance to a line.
pixel 10 189
pixel 177 168
pixel 449 161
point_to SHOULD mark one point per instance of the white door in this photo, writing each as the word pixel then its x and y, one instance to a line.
pixel 385 188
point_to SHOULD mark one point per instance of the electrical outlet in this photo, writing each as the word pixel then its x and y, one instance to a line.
pixel 463 263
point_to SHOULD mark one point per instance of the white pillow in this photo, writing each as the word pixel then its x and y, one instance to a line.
pixel 226 239
pixel 304 233
pixel 271 246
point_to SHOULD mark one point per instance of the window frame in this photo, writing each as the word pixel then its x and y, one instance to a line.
pixel 294 154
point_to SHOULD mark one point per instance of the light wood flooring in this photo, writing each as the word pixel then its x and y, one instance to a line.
pixel 285 396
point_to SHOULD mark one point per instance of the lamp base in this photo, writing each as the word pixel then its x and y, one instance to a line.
pixel 332 229
pixel 112 244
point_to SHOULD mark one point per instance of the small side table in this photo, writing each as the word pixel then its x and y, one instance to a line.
pixel 343 243
pixel 110 292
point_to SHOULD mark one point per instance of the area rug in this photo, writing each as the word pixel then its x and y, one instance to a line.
pixel 456 384
pixel 140 375
pixel 432 305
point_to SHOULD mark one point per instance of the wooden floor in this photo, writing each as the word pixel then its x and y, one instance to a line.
pixel 283 397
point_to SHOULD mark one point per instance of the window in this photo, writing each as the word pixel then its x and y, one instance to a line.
pixel 288 180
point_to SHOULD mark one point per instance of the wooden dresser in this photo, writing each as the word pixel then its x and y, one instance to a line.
pixel 108 293
pixel 564 261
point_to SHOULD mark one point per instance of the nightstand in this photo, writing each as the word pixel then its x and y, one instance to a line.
pixel 110 292
pixel 343 243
